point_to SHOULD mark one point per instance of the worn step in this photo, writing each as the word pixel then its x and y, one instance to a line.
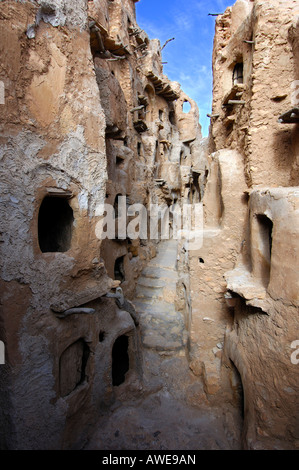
pixel 162 344
pixel 166 256
pixel 160 335
pixel 153 307
pixel 154 340
pixel 167 319
pixel 148 292
pixel 151 282
pixel 166 260
pixel 156 272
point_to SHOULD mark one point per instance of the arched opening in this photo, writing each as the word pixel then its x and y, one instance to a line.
pixel 264 243
pixel 266 227
pixel 149 92
pixel 186 107
pixel 172 117
pixel 238 73
pixel 139 148
pixel 119 269
pixel 238 391
pixel 120 360
pixel 182 156
pixel 55 223
pixel 72 366
pixel 102 336
pixel 119 162
pixel 196 187
pixel 157 161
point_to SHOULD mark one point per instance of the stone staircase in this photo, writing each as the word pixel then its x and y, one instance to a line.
pixel 161 325
pixel 168 410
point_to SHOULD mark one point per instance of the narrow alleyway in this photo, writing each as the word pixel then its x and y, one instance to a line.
pixel 162 327
pixel 169 411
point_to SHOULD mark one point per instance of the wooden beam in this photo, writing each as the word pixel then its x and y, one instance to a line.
pixel 236 102
pixel 138 108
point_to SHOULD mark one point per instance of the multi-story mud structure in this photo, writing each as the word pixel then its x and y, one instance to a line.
pixel 248 277
pixel 89 118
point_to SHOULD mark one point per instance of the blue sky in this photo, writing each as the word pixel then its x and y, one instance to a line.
pixel 189 56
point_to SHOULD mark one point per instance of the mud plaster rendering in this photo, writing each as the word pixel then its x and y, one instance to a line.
pixel 104 339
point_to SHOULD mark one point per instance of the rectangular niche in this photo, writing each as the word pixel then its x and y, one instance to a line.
pixel 262 241
pixel 119 269
pixel 120 360
pixel 55 224
pixel 72 367
pixel 119 162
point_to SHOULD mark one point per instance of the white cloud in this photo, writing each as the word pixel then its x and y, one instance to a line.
pixel 183 21
pixel 152 30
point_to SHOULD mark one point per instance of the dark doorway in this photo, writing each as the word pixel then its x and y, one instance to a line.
pixel 238 390
pixel 265 226
pixel 238 73
pixel 117 203
pixel 120 360
pixel 73 363
pixel 119 270
pixel 55 223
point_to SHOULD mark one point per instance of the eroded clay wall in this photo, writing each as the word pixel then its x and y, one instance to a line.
pixel 246 114
pixel 88 116
pixel 53 151
pixel 254 113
